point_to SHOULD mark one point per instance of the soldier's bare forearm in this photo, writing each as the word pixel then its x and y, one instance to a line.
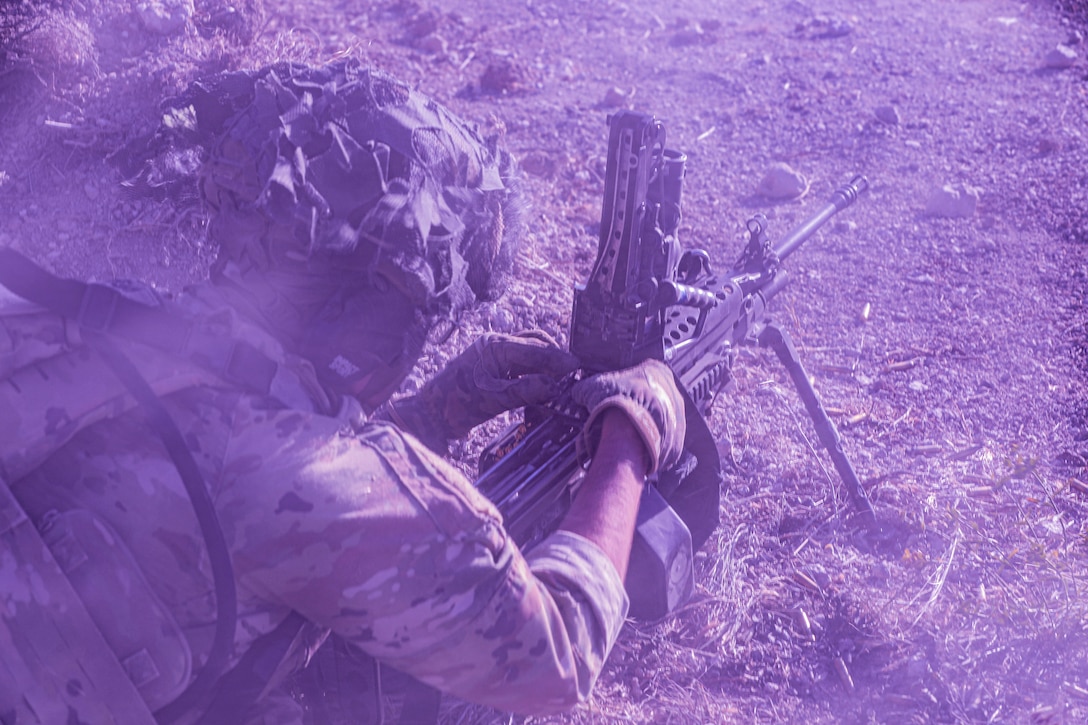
pixel 605 509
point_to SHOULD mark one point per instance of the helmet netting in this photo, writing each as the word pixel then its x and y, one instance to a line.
pixel 346 169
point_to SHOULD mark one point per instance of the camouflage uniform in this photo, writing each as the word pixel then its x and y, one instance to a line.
pixel 342 176
pixel 353 524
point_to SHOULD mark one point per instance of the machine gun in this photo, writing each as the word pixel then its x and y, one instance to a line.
pixel 647 298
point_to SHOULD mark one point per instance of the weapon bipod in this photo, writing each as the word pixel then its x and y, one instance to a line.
pixel 778 339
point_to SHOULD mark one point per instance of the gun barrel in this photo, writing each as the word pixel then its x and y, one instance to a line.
pixel 843 197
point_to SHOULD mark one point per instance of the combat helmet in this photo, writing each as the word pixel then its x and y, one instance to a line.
pixel 341 169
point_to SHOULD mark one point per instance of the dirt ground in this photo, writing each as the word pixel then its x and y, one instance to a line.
pixel 948 341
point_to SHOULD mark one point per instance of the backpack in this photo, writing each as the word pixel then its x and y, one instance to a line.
pixel 58 631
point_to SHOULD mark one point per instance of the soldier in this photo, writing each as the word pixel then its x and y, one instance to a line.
pixel 355 218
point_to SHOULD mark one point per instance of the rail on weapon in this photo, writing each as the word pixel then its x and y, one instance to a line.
pixel 702 332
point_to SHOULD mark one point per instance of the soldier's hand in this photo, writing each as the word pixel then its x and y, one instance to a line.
pixel 496 373
pixel 648 396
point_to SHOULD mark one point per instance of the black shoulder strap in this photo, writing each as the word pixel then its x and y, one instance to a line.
pixel 238 689
pixel 94 307
pixel 421 704
pixel 226 607
pixel 101 308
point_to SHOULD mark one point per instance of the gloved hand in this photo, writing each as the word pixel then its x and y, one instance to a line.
pixel 496 373
pixel 648 396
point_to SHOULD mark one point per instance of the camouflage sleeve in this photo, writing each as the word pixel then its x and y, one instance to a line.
pixel 586 587
pixel 374 536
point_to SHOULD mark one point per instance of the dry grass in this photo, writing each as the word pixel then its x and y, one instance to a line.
pixel 980 615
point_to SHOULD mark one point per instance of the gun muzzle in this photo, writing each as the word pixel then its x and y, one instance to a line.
pixel 843 197
pixel 847 194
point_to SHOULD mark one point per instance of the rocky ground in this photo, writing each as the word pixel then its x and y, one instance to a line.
pixel 942 317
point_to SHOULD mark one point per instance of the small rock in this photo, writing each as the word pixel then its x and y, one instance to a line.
pixel 540 163
pixel 165 17
pixel 1060 57
pixel 686 36
pixel 59 40
pixel 953 201
pixel 616 97
pixel 505 76
pixel 501 319
pixel 521 301
pixel 567 70
pixel 782 182
pixel 91 190
pixel 433 44
pixel 1048 144
pixel 424 23
pixel 239 19
pixel 694 35
pixel 917 669
pixel 887 114
pixel 878 572
pixel 823 27
pixel 819 575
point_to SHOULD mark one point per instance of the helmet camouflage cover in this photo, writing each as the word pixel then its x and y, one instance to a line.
pixel 343 170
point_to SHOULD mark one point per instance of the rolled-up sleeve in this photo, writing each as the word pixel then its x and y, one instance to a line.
pixel 375 537
pixel 538 645
pixel 587 589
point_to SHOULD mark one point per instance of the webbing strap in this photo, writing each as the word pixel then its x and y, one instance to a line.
pixel 226 614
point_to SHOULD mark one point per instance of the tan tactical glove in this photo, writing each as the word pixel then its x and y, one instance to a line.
pixel 648 396
pixel 497 373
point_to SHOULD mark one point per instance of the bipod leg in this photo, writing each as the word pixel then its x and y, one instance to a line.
pixel 775 337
